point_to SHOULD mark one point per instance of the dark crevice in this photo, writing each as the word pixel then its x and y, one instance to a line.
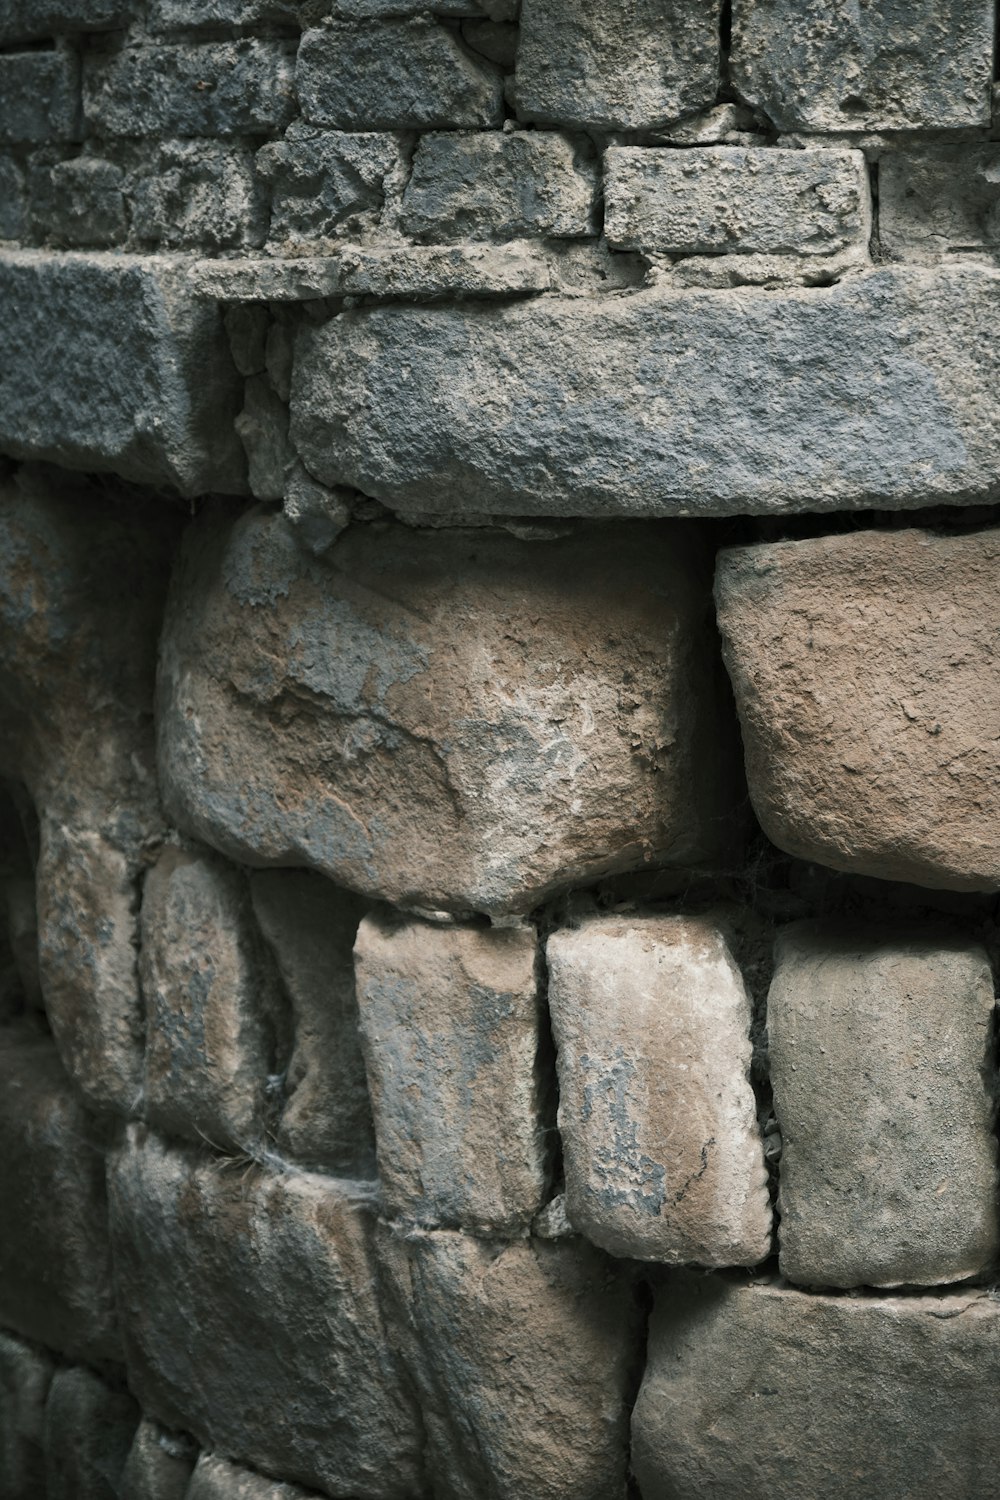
pixel 546 1075
pixel 42 44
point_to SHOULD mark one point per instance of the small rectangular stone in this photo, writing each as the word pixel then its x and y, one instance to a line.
pixel 215 89
pixel 880 1048
pixel 936 201
pixel 81 201
pixel 199 194
pixel 395 75
pixel 493 186
pixel 39 97
pixel 29 20
pixel 326 184
pixel 736 200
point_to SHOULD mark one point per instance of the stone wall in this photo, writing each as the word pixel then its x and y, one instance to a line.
pixel 500 803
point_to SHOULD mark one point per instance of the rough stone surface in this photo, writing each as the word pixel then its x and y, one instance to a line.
pixel 78 202
pixel 13 198
pixel 217 1479
pixel 523 1357
pixel 450 1021
pixel 500 186
pixel 771 1394
pixel 453 748
pixel 195 193
pixel 395 75
pixel 25 1376
pixel 26 20
pixel 881 1062
pixel 89 1428
pixel 159 1465
pixel 145 386
pixel 939 201
pixel 215 89
pixel 864 667
pixel 39 97
pixel 311 925
pixel 663 1157
pixel 618 65
pixel 730 199
pixel 251 1321
pixel 659 403
pixel 326 184
pixel 831 65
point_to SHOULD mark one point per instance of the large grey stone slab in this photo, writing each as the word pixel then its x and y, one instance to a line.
pixel 25 1376
pixel 769 1393
pixel 937 202
pixel 618 65
pixel 881 1059
pixel 428 717
pixel 89 1427
pixel 663 1155
pixel 832 65
pixel 145 386
pixel 877 391
pixel 864 667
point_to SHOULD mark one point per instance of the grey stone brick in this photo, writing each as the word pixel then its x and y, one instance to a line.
pixel 191 15
pixel 26 20
pixel 39 96
pixel 327 183
pixel 13 198
pixel 89 1427
pixel 395 75
pixel 940 201
pixel 78 202
pixel 196 194
pixel 25 1376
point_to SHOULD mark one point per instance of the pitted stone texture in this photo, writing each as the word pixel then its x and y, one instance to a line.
pixel 159 1464
pixel 217 1479
pixel 663 403
pixel 881 1063
pixel 310 926
pixel 771 1394
pixel 428 716
pixel 617 65
pixel 25 1376
pixel 211 1002
pixel 865 671
pixel 450 1021
pixel 13 198
pixel 523 1357
pixel 89 1427
pixel 663 1156
pixel 215 89
pixel 395 75
pixel 733 199
pixel 250 1319
pixel 144 387
pixel 28 20
pixel 940 201
pixel 77 202
pixel 832 65
pixel 500 186
pixel 198 193
pixel 326 184
pixel 39 97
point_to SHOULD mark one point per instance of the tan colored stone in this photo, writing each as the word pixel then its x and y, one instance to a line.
pixel 865 672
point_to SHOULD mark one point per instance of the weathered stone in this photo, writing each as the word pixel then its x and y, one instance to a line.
pixel 198 194
pixel 55 1270
pixel 455 744
pixel 832 65
pixel 25 1375
pixel 441 273
pixel 713 127
pixel 145 386
pixel 771 1394
pixel 213 89
pixel 210 1002
pixel 159 1465
pixel 209 15
pixel 78 202
pixel 250 1319
pixel 25 20
pixel 663 1156
pixel 450 1022
pixel 731 199
pixel 865 674
pixel 618 66
pixel 936 201
pixel 881 1062
pixel 217 1479
pixel 319 515
pixel 311 926
pixel 327 183
pixel 39 96
pixel 500 186
pixel 13 198
pixel 247 325
pixel 89 1428
pixel 263 429
pixel 395 75
pixel 659 403
pixel 523 1357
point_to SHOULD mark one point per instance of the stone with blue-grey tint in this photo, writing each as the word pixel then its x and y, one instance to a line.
pixel 664 1160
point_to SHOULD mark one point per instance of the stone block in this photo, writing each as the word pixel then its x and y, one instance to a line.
pixel 145 387
pixel 210 89
pixel 832 65
pixel 450 1023
pixel 211 1003
pixel 660 403
pixel 209 15
pixel 39 97
pixel 31 20
pixel 863 667
pixel 499 186
pixel 159 1464
pixel 251 1321
pixel 618 66
pixel 25 1376
pixel 217 1479
pixel 456 747
pixel 89 1427
pixel 663 1156
pixel 937 201
pixel 523 1357
pixel 197 194
pixel 327 183
pixel 714 200
pixel 78 202
pixel 768 1393
pixel 310 926
pixel 395 75
pixel 263 429
pixel 881 1049
pixel 13 198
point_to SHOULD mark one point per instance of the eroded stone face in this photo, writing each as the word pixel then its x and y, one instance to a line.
pixel 864 668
